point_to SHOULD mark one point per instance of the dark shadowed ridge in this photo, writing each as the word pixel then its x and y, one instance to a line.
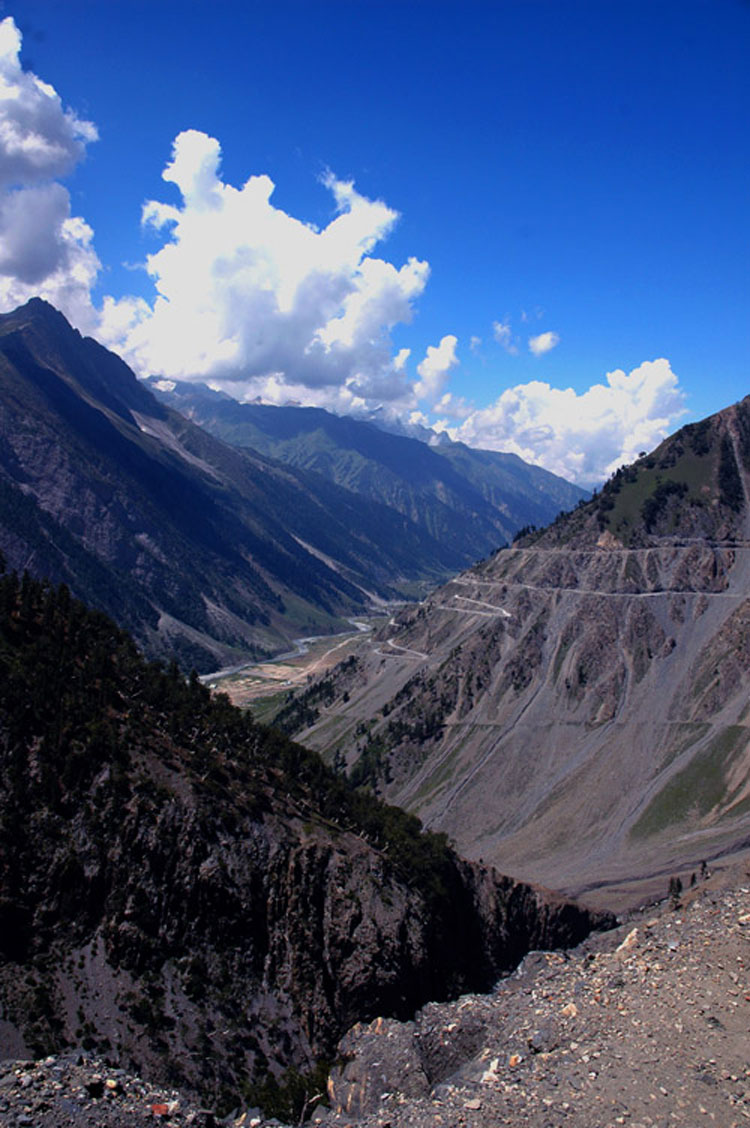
pixel 198 898
pixel 203 551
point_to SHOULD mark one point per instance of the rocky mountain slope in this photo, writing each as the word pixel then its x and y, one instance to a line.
pixel 646 1025
pixel 574 709
pixel 198 898
pixel 201 550
pixel 469 501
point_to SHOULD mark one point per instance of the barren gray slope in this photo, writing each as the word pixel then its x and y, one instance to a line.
pixel 648 1027
pixel 574 709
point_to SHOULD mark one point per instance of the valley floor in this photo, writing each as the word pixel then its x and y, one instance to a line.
pixel 263 685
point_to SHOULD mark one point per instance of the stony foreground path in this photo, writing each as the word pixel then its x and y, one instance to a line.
pixel 76 1091
pixel 647 1026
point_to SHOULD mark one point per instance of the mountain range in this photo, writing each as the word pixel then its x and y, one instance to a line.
pixel 466 501
pixel 205 552
pixel 203 900
pixel 575 708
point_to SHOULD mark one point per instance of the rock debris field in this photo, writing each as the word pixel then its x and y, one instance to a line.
pixel 646 1026
pixel 77 1091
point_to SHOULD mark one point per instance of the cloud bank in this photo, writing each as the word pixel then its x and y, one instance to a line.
pixel 583 437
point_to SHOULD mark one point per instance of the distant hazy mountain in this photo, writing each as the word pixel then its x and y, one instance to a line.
pixel 199 549
pixel 575 708
pixel 469 501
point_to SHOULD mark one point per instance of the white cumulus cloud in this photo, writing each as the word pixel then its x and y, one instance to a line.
pixel 433 370
pixel 251 296
pixel 44 250
pixel 255 300
pixel 39 139
pixel 583 437
pixel 454 407
pixel 543 343
pixel 244 294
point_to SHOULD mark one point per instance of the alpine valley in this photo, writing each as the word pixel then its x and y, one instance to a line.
pixel 468 501
pixel 193 896
pixel 182 890
pixel 206 552
pixel 575 708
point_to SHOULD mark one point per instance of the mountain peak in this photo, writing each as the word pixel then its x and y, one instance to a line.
pixel 693 485
pixel 36 311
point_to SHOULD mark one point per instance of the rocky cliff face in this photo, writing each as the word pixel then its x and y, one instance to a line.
pixel 197 897
pixel 646 1024
pixel 564 1040
pixel 574 708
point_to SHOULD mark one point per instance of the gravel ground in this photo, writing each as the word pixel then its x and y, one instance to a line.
pixel 77 1091
pixel 647 1026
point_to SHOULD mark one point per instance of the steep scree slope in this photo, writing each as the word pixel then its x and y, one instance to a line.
pixel 575 708
pixel 646 1025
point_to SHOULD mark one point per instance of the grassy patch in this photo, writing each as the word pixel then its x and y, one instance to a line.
pixel 437 778
pixel 264 709
pixel 681 736
pixel 736 810
pixel 710 675
pixel 697 789
pixel 692 471
pixel 312 620
pixel 562 649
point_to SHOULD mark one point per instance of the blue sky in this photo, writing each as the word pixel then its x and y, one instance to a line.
pixel 525 221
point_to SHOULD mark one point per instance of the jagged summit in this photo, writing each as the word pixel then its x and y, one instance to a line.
pixel 36 336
